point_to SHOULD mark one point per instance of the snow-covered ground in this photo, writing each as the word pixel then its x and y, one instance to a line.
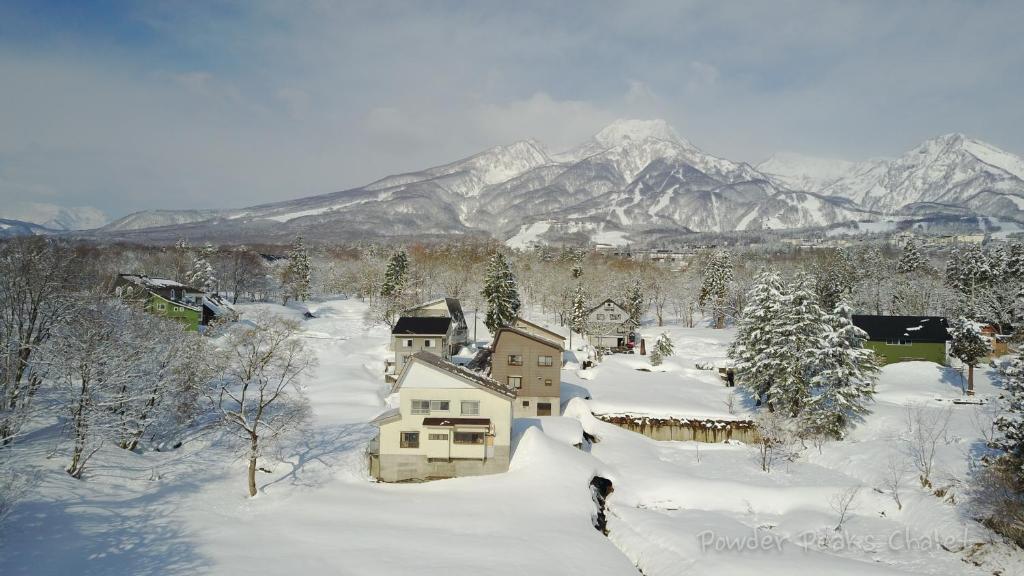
pixel 185 511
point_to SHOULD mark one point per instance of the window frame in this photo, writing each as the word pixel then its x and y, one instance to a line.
pixel 462 408
pixel 515 382
pixel 475 435
pixel 437 436
pixel 409 439
pixel 512 360
pixel 548 382
pixel 428 343
pixel 408 343
pixel 550 361
pixel 447 406
pixel 549 409
pixel 419 411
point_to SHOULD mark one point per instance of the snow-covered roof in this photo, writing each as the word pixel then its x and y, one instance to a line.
pixel 914 328
pixel 466 374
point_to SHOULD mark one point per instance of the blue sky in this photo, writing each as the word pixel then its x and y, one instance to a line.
pixel 134 105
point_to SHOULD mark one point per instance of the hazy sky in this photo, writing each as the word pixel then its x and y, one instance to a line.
pixel 134 105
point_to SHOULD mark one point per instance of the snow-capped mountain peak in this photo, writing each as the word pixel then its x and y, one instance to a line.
pixel 622 131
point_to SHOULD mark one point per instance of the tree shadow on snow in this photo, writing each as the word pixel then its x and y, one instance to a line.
pixel 320 450
pixel 101 536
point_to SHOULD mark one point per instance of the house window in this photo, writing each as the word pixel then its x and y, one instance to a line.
pixel 526 403
pixel 161 306
pixel 544 361
pixel 177 308
pixel 469 437
pixel 410 440
pixel 172 294
pixel 428 343
pixel 442 436
pixel 547 381
pixel 600 316
pixel 543 409
pixel 439 405
pixel 421 406
pixel 408 343
pixel 470 407
pixel 615 316
pixel 515 359
pixel 898 342
pixel 515 381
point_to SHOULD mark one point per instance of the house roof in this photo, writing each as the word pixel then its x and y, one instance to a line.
pixel 912 328
pixel 433 325
pixel 449 422
pixel 387 416
pixel 474 378
pixel 525 334
pixel 605 301
pixel 155 283
pixel 554 334
pixel 452 304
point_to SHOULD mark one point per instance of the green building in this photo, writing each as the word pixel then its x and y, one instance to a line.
pixel 905 338
pixel 172 299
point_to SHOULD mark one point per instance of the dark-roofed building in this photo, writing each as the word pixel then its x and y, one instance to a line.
pixel 450 421
pixel 905 338
pixel 413 334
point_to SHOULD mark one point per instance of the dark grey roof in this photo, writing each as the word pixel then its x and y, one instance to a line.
pixel 910 328
pixel 464 373
pixel 482 361
pixel 432 325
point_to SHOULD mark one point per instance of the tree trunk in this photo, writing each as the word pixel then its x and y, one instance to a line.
pixel 970 379
pixel 254 445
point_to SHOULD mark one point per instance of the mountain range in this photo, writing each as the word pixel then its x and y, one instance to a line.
pixel 631 179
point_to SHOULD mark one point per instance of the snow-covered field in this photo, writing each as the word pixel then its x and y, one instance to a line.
pixel 185 511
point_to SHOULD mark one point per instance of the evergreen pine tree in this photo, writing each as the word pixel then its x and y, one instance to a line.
pixel 395 276
pixel 969 273
pixel 801 331
pixel 1011 423
pixel 295 281
pixel 757 352
pixel 201 274
pixel 635 302
pixel 663 348
pixel 578 312
pixel 715 288
pixel 501 294
pixel 968 346
pixel 911 260
pixel 843 378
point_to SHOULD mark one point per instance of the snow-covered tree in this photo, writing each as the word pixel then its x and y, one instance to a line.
pixel 911 260
pixel 968 271
pixel 800 331
pixel 1011 423
pixel 635 302
pixel 37 275
pixel 501 292
pixel 662 349
pixel 843 378
pixel 578 312
pixel 395 275
pixel 295 279
pixel 969 346
pixel 833 278
pixel 760 359
pixel 714 290
pixel 259 398
pixel 201 274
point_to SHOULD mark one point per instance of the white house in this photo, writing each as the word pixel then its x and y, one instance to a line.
pixel 450 422
pixel 608 325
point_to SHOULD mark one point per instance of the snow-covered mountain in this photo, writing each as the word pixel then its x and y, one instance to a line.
pixel 950 173
pixel 54 217
pixel 631 177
